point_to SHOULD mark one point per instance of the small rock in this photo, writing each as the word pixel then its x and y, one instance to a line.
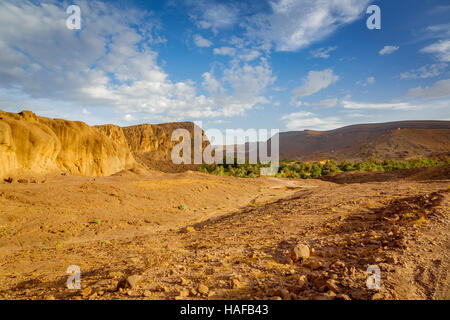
pixel 300 252
pixel 235 284
pixel 193 292
pixel 284 294
pixel 189 229
pixel 184 281
pixel 147 293
pixel 302 281
pixel 134 280
pixel 202 289
pixel 130 282
pixel 315 264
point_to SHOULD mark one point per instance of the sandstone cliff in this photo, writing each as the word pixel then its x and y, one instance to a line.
pixel 152 145
pixel 29 143
pixel 38 144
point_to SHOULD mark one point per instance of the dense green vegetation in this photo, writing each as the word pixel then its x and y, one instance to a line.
pixel 244 170
pixel 305 170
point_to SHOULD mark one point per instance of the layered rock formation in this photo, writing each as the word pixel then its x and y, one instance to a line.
pixel 39 145
pixel 152 145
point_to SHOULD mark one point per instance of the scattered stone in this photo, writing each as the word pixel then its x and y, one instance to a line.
pixel 235 284
pixel 315 264
pixel 193 292
pixel 184 281
pixel 147 293
pixel 24 181
pixel 189 229
pixel 300 252
pixel 284 294
pixel 132 293
pixel 202 289
pixel 302 281
pixel 130 282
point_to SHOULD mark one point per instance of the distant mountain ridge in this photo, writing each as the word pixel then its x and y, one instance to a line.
pixel 395 140
pixel 390 140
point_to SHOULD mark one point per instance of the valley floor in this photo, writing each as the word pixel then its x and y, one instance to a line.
pixel 197 236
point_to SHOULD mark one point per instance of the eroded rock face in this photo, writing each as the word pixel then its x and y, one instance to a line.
pixel 152 145
pixel 29 142
pixel 38 144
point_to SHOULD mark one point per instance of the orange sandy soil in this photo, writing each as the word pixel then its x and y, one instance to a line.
pixel 231 240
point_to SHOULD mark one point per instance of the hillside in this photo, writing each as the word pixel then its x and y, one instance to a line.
pixel 395 140
pixel 30 144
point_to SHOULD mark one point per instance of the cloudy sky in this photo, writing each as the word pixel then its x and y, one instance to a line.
pixel 280 64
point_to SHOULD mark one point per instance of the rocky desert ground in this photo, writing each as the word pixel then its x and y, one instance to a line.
pixel 195 236
pixel 75 195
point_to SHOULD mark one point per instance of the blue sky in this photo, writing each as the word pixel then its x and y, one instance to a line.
pixel 280 64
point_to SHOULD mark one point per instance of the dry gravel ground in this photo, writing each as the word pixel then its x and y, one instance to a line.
pixel 196 236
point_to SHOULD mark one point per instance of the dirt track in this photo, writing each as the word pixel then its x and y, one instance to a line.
pixel 237 242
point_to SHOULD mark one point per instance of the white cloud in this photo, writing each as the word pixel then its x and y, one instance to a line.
pixel 438 90
pixel 308 120
pixel 215 16
pixel 240 88
pixel 316 81
pixel 377 106
pixel 201 42
pixel 365 83
pixel 295 24
pixel 85 111
pixel 388 50
pixel 250 55
pixel 417 108
pixel 440 49
pixel 225 51
pixel 323 53
pixel 295 101
pixel 110 68
pixel 439 30
pixel 327 103
pixel 424 72
pixel 129 118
